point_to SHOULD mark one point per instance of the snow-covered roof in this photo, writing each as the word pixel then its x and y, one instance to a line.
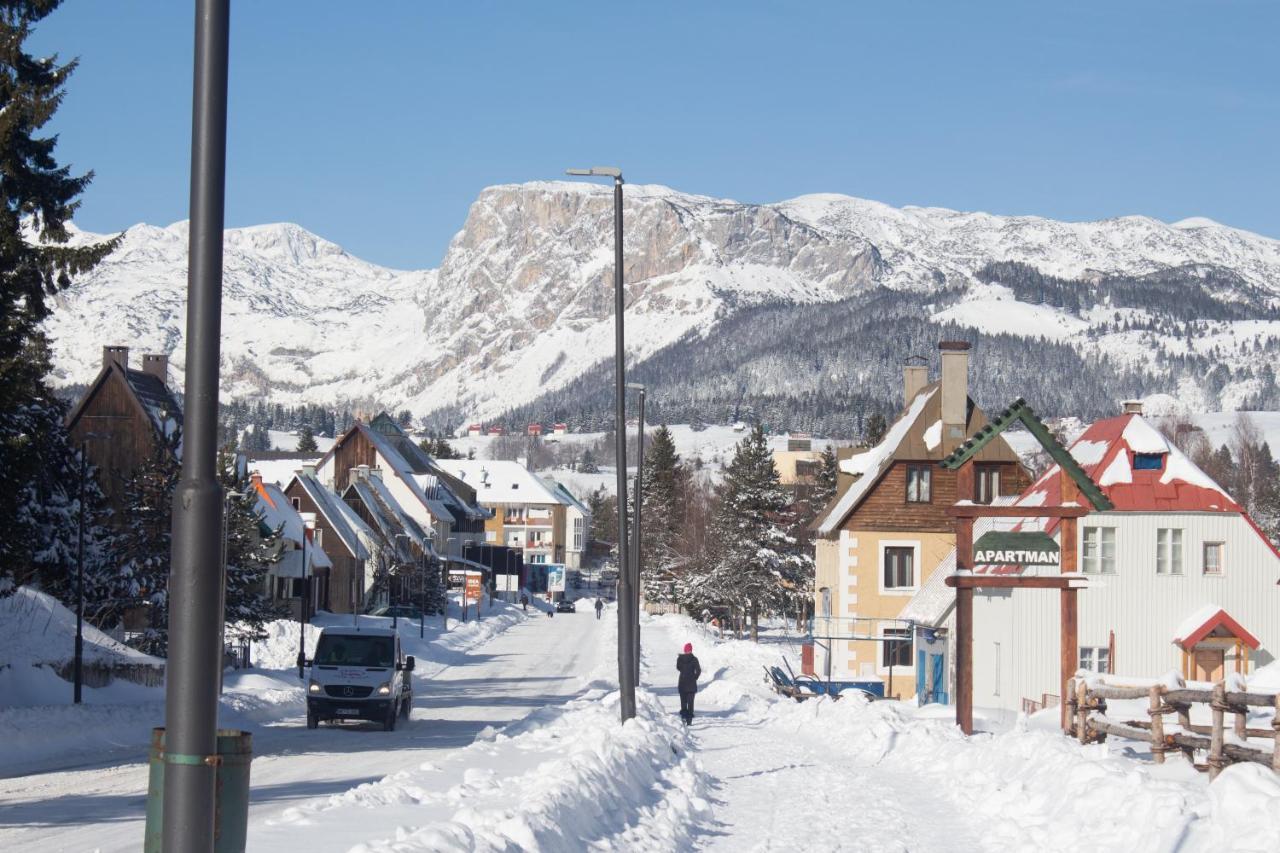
pixel 275 510
pixel 388 515
pixel 1204 621
pixel 498 481
pixel 873 462
pixel 566 496
pixel 348 526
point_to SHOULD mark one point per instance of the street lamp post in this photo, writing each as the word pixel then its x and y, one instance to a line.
pixel 78 665
pixel 304 598
pixel 626 672
pixel 638 534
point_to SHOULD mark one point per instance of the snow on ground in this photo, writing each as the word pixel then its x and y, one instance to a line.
pixel 288 440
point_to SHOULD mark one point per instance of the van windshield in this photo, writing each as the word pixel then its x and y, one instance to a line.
pixel 347 650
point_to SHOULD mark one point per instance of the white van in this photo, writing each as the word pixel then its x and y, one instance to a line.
pixel 359 674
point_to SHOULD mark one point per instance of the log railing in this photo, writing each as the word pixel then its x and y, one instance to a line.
pixel 1088 708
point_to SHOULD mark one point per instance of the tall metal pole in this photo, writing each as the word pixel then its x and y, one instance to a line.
pixel 638 538
pixel 626 624
pixel 78 674
pixel 191 679
pixel 303 597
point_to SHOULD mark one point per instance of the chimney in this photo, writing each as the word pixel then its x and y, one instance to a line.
pixel 117 355
pixel 955 387
pixel 1132 407
pixel 308 470
pixel 157 365
pixel 914 377
pixel 360 472
pixel 256 480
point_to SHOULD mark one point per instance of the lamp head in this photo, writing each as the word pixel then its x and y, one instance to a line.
pixel 596 172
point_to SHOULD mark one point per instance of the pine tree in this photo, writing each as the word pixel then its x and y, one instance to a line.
pixel 39 200
pixel 307 441
pixel 828 476
pixel 141 582
pixel 588 464
pixel 250 552
pixel 662 501
pixel 876 428
pixel 755 564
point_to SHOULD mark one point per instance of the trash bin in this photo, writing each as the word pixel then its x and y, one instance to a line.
pixel 231 797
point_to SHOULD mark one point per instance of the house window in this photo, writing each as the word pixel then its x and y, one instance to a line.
pixel 1213 563
pixel 579 533
pixel 1099 552
pixel 317 537
pixel 297 504
pixel 899 568
pixel 538 558
pixel 918 481
pixel 490 536
pixel 1168 551
pixel 1095 659
pixel 896 648
pixel 1148 461
pixel 988 477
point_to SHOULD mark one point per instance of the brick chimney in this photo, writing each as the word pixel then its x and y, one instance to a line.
pixel 955 387
pixel 914 377
pixel 157 365
pixel 1132 407
pixel 115 355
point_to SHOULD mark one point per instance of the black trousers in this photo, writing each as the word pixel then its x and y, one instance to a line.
pixel 686 704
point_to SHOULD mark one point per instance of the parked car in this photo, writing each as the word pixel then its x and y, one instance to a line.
pixel 564 605
pixel 359 674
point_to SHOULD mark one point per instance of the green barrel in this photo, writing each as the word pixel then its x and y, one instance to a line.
pixel 231 806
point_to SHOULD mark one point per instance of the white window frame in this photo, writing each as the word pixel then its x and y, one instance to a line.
pixel 1098 563
pixel 1222 559
pixel 1096 659
pixel 1170 543
pixel 986 472
pixel 914 545
pixel 927 471
pixel 882 660
pixel 579 532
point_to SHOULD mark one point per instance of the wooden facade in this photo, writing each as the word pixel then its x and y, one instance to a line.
pixel 343 590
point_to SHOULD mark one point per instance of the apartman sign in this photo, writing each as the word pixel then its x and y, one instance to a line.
pixel 1016 549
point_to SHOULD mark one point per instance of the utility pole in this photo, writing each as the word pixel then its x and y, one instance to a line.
pixel 191 678
pixel 78 668
pixel 638 533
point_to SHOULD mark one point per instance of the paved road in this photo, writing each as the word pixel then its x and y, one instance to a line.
pixel 533 664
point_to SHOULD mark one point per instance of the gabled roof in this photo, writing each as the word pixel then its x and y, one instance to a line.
pixel 1106 453
pixel 276 513
pixel 152 397
pixel 1204 622
pixel 388 516
pixel 917 435
pixel 566 496
pixel 500 481
pixel 342 519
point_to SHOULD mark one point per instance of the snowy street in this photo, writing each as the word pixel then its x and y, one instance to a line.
pixel 101 807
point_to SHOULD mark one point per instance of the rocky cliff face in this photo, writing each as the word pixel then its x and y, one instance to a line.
pixel 523 301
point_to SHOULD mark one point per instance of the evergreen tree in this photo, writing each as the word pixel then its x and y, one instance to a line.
pixel 876 428
pixel 604 516
pixel 662 500
pixel 306 441
pixel 140 585
pixel 250 551
pixel 828 476
pixel 39 199
pixel 588 464
pixel 755 564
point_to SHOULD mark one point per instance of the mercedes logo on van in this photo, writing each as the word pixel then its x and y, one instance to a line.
pixel 348 691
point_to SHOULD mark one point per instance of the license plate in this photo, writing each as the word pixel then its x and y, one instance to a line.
pixel 348 710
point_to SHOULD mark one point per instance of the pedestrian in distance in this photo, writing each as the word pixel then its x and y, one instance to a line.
pixel 689 668
pixel 599 607
pixel 524 602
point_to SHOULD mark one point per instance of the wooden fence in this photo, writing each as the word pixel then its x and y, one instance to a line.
pixel 1088 706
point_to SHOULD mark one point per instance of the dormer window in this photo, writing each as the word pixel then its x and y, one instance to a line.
pixel 1148 461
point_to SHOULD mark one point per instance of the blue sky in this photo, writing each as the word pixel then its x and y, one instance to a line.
pixel 376 124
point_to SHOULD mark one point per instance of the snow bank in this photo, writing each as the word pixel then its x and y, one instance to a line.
pixel 36 628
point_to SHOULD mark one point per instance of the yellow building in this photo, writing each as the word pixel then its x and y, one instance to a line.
pixel 887 531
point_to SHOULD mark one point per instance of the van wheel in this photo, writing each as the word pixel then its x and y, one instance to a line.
pixel 389 724
pixel 312 720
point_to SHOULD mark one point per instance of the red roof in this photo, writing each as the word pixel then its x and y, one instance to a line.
pixel 1203 627
pixel 1108 451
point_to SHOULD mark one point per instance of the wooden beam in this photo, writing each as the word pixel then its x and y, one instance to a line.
pixel 1073 581
pixel 986 511
pixel 1069 653
pixel 964 629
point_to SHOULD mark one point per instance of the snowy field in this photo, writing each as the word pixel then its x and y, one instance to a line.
pixel 514 744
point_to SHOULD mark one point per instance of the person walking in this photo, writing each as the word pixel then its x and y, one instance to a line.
pixel 689 668
pixel 599 607
pixel 524 602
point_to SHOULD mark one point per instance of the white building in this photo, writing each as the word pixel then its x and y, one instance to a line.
pixel 1182 578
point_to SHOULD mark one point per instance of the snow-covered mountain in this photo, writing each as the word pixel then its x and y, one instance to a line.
pixel 522 303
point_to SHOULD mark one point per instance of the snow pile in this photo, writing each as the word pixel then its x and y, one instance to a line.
pixel 37 629
pixel 279 650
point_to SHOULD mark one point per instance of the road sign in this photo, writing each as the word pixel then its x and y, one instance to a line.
pixel 473 587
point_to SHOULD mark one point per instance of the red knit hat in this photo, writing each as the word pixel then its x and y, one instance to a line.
pixel 688 647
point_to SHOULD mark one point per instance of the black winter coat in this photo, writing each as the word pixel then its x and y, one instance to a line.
pixel 689 669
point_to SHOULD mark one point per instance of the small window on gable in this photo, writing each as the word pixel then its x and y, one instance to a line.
pixel 1148 461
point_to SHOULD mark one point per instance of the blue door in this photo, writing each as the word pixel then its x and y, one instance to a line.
pixel 938 664
pixel 922 695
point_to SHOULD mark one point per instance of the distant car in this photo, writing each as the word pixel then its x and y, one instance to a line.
pixel 564 605
pixel 400 611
